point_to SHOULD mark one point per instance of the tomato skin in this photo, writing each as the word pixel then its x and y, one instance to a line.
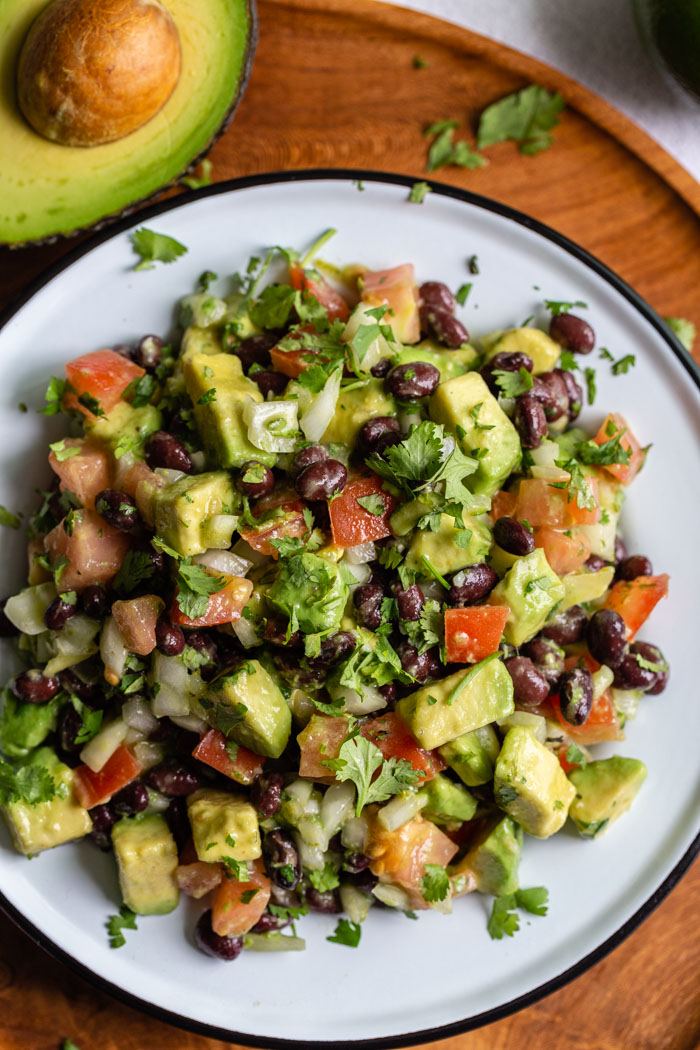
pixel 291 526
pixel 102 374
pixel 636 599
pixel 539 503
pixel 94 550
pixel 623 472
pixel 94 789
pixel 231 916
pixel 394 740
pixel 136 620
pixel 85 474
pixel 332 301
pixel 503 505
pixel 211 750
pixel 473 633
pixel 197 879
pixel 400 856
pixel 579 515
pixel 224 606
pixel 397 289
pixel 351 523
pixel 293 362
pixel 320 740
pixel 564 553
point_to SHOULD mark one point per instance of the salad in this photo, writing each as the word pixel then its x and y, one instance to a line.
pixel 326 608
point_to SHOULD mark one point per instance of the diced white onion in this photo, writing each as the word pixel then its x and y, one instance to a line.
pixel 313 834
pixel 355 903
pixel 176 686
pixel 603 678
pixel 311 857
pixel 626 701
pixel 336 806
pixel 113 651
pixel 392 896
pixel 137 714
pixel 190 722
pixel 199 461
pixel 354 834
pixel 134 736
pixel 245 552
pixel 273 942
pixel 157 803
pixel 245 633
pixel 361 553
pixel 359 704
pixel 169 476
pixel 273 425
pixel 316 417
pixel 409 417
pixel 528 719
pixel 361 572
pixel 98 751
pixel 148 754
pixel 301 706
pixel 448 447
pixel 546 455
pixel 551 474
pixel 217 531
pixel 401 809
pixel 170 703
pixel 300 790
pixel 377 349
pixel 433 589
pixel 26 609
pixel 73 643
pixel 223 561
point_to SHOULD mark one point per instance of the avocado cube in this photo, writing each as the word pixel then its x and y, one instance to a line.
pixel 539 346
pixel 455 705
pixel 472 755
pixel 223 825
pixel 146 858
pixel 354 408
pixel 442 551
pixel 197 340
pixel 531 590
pixel 126 426
pixel 605 789
pixel 265 720
pixel 24 725
pixel 47 824
pixel 448 803
pixel 186 512
pixel 220 421
pixel 450 363
pixel 582 587
pixel 466 402
pixel 493 858
pixel 530 785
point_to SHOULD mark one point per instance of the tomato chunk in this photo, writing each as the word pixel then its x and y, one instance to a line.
pixel 290 524
pixel 503 505
pixel 396 288
pixel 394 740
pixel 136 620
pixel 94 550
pixel 635 599
pixel 474 633
pixel 600 726
pixel 197 879
pixel 224 606
pixel 103 375
pixel 615 424
pixel 400 856
pixel 320 740
pixel 293 362
pixel 580 515
pixel 539 503
pixel 84 474
pixel 311 281
pixel 351 523
pixel 237 906
pixel 565 553
pixel 93 789
pixel 211 749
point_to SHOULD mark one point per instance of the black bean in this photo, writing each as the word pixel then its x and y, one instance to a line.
pixel 389 692
pixel 34 687
pixel 69 724
pixel 94 601
pixel 275 632
pixel 548 658
pixel 420 666
pixel 322 480
pixel 595 563
pixel 355 862
pixel 256 350
pixel 7 628
pixel 381 368
pixel 325 901
pixel 307 457
pixel 338 647
pixel 255 479
pixel 410 602
pixel 173 781
pixel 268 923
pixel 149 352
pixel 606 635
pixel 170 637
pixel 573 333
pixel 476 582
pixel 118 509
pixel 653 654
pixel 226 948
pixel 203 643
pixel 266 793
pixel 574 391
pixel 270 382
pixel 102 821
pixel 367 599
pixel 567 627
pixel 504 362
pixel 620 550
pixel 512 536
pixel 576 695
pixel 124 350
pixel 362 880
pixel 131 799
pixel 228 649
pixel 550 390
pixel 87 691
pixel 445 327
pixel 166 452
pixel 59 612
pixel 413 380
pixel 281 858
pixel 629 674
pixel 296 676
pixel 529 420
pixel 178 821
pixel 374 430
pixel 633 566
pixel 434 295
pixel 530 687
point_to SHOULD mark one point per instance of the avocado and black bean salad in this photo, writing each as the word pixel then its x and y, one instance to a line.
pixel 326 608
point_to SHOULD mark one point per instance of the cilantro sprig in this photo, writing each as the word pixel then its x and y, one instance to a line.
pixel 525 117
pixel 504 919
pixel 347 933
pixel 116 924
pixel 435 884
pixel 30 784
pixel 155 247
pixel 359 759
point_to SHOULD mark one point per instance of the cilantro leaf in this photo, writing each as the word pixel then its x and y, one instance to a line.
pixel 194 182
pixel 54 397
pixel 90 721
pixel 444 150
pixel 8 519
pixel 140 391
pixel 235 869
pixel 463 292
pixel 91 404
pixel 557 307
pixel 435 884
pixel 513 384
pixel 503 921
pixel 414 459
pixel 575 756
pixel 568 361
pixel 474 414
pixel 373 504
pixel 136 567
pixel 28 784
pixel 419 63
pixel 685 330
pixel 534 900
pixel 524 117
pixel 346 932
pixel 591 388
pixel 578 484
pixel 155 247
pixel 62 451
pixel 326 879
pixel 605 454
pixel 359 759
pixel 419 191
pixel 68 1044
pixel 473 264
pixel 622 367
pixel 427 631
pixel 195 585
pixel 207 397
pixel 125 920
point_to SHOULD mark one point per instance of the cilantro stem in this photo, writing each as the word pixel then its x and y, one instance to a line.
pixel 434 573
pixel 469 676
pixel 316 247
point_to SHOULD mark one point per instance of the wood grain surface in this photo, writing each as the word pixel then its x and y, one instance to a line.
pixel 334 86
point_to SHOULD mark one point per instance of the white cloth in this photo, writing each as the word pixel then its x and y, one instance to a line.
pixel 595 42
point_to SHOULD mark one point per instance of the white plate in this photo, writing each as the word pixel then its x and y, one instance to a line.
pixel 408 981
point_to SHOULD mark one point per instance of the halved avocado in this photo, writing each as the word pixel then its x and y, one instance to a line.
pixel 49 190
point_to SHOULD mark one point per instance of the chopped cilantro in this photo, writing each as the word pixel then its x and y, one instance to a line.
pixel 390 557
pixel 473 264
pixel 591 388
pixel 91 404
pixel 54 397
pixel 359 759
pixel 247 895
pixel 432 571
pixel 443 150
pixel 346 932
pixel 513 384
pixel 578 484
pixel 155 247
pixel 474 413
pixel 90 721
pixel 567 361
pixel 194 182
pixel 469 676
pixel 125 920
pixel 325 880
pixel 194 585
pixel 605 454
pixel 622 367
pixel 419 191
pixel 8 519
pixel 68 1044
pixel 140 391
pixel 136 567
pixel 373 504
pixel 505 921
pixel 236 869
pixel 462 293
pixel 435 884
pixel 62 451
pixel 525 117
pixel 28 784
pixel 419 63
pixel 557 307
pixel 207 397
pixel 575 756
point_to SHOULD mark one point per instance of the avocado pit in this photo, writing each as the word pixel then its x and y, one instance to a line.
pixel 91 73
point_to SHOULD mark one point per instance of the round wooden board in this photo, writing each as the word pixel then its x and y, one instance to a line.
pixel 334 86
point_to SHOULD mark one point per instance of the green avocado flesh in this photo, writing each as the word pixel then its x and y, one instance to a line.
pixel 48 189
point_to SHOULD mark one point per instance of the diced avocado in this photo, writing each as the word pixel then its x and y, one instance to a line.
pixel 472 755
pixel 580 587
pixel 531 341
pixel 223 825
pixel 126 426
pixel 407 515
pixel 531 590
pixel 441 549
pixel 186 512
pixel 47 824
pixel 202 309
pixel 455 705
pixel 220 421
pixel 530 785
pixel 251 692
pixel 147 858
pixel 237 316
pixel 467 403
pixel 354 408
pixel 494 858
pixel 24 726
pixel 198 341
pixel 500 560
pixel 450 363
pixel 448 803
pixel 605 789
pixel 309 591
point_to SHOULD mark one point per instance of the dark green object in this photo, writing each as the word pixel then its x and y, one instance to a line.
pixel 672 27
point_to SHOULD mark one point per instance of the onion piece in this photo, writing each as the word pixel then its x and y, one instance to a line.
pixel 73 643
pixel 354 834
pixel 98 751
pixel 273 942
pixel 401 809
pixel 147 753
pixel 245 633
pixel 626 701
pixel 113 651
pixel 273 426
pixel 552 474
pixel 336 806
pixel 168 475
pixel 191 723
pixel 392 896
pixel 245 552
pixel 378 348
pixel 316 417
pixel 311 857
pixel 546 455
pixel 26 609
pixel 137 714
pixel 354 903
pixel 359 704
pixel 603 678
pixel 361 553
pixel 528 719
pixel 362 573
pixel 223 561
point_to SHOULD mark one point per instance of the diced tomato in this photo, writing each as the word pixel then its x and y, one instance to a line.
pixel 579 515
pixel 539 503
pixel 212 750
pixel 94 789
pixel 394 740
pixel 84 474
pixel 612 425
pixel 400 856
pixel 103 375
pixel 351 523
pixel 635 599
pixel 136 620
pixel 197 879
pixel 319 741
pixel 474 633
pixel 397 289
pixel 601 725
pixel 288 524
pixel 312 281
pixel 564 762
pixel 293 362
pixel 503 505
pixel 94 550
pixel 565 553
pixel 36 573
pixel 224 606
pixel 237 906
